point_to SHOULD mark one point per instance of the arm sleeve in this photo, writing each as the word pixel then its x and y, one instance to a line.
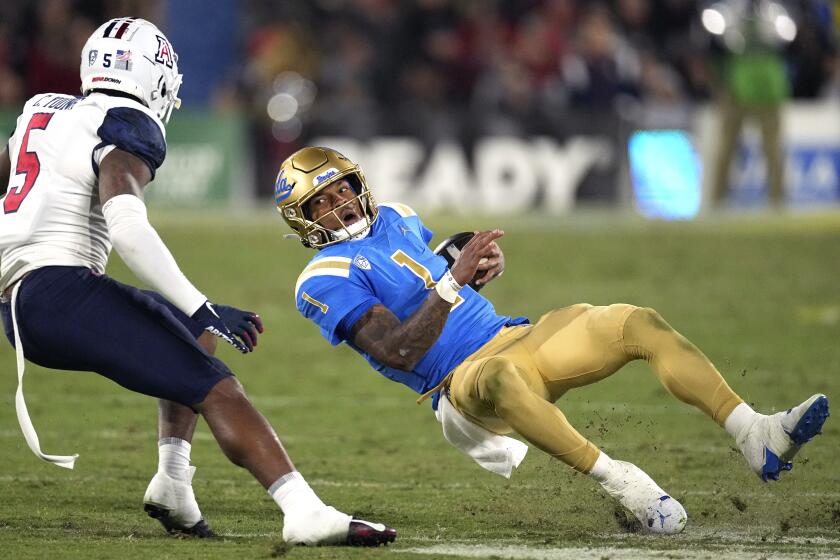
pixel 143 251
pixel 334 303
pixel 132 131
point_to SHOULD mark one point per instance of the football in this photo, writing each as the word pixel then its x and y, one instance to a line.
pixel 450 249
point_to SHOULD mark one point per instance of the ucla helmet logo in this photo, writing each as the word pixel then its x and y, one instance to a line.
pixel 332 171
pixel 282 188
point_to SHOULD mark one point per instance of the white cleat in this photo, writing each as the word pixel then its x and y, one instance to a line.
pixel 657 511
pixel 769 443
pixel 329 526
pixel 326 525
pixel 172 502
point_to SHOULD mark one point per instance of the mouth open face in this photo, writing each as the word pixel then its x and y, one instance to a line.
pixel 349 215
pixel 337 208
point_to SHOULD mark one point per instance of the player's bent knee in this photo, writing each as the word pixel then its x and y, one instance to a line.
pixel 499 379
pixel 225 390
pixel 649 317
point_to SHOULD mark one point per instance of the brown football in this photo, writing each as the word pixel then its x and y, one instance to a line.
pixel 450 249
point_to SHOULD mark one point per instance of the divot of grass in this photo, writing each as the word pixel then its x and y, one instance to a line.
pixel 739 504
pixel 626 521
pixel 784 525
pixel 280 549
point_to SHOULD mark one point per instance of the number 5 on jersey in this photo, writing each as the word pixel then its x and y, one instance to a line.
pixel 28 164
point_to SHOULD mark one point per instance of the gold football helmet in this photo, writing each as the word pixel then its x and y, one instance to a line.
pixel 304 174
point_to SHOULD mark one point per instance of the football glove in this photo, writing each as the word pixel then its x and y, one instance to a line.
pixel 219 320
pixel 243 324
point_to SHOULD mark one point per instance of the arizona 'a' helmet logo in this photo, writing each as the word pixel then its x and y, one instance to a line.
pixel 164 52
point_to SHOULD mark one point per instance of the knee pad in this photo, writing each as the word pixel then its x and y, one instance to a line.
pixel 498 376
pixel 647 318
pixel 645 330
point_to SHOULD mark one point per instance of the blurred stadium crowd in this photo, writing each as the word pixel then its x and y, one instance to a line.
pixel 427 68
pixel 384 63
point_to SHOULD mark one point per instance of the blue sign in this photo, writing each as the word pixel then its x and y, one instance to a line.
pixel 812 175
pixel 665 172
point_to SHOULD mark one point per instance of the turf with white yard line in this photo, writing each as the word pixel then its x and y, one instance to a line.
pixel 601 553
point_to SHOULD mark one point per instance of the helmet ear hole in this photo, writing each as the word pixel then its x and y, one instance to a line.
pixel 163 90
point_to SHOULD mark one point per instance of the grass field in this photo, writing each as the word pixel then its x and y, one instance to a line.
pixel 760 296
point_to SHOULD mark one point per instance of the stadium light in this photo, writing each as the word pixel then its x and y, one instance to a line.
pixel 785 27
pixel 714 21
pixel 282 107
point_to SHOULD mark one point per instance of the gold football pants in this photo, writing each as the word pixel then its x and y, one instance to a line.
pixel 511 383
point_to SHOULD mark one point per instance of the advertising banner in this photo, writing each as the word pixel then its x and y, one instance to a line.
pixel 496 175
pixel 205 161
pixel 811 141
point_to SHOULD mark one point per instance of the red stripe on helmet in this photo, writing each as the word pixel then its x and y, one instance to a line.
pixel 123 28
pixel 110 27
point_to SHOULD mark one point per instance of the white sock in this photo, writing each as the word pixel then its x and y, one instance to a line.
pixel 604 468
pixel 292 493
pixel 740 417
pixel 174 457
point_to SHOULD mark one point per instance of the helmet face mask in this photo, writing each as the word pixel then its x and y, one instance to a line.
pixel 134 57
pixel 306 173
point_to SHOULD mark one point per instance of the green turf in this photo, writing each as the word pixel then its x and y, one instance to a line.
pixel 759 295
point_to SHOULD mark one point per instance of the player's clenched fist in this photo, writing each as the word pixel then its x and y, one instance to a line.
pixel 474 251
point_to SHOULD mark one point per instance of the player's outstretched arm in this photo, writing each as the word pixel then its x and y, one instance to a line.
pixel 401 344
pixel 122 178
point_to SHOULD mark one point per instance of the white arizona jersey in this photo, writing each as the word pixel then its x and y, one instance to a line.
pixel 51 212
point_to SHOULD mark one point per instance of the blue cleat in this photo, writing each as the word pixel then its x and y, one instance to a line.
pixel 771 442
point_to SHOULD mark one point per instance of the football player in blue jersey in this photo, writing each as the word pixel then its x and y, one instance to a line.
pixel 375 285
pixel 76 168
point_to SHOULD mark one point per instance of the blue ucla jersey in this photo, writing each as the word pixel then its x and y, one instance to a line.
pixel 394 266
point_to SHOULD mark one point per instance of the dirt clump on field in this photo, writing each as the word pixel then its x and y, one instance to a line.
pixel 627 522
pixel 739 504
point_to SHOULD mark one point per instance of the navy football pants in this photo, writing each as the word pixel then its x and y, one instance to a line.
pixel 73 319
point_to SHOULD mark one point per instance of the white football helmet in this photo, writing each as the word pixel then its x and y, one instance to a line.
pixel 133 56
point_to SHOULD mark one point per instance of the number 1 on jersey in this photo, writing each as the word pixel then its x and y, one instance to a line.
pixel 420 271
pixel 28 164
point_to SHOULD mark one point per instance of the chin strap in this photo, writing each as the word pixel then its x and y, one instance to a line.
pixel 359 230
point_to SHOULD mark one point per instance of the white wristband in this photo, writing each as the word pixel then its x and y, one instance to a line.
pixel 447 288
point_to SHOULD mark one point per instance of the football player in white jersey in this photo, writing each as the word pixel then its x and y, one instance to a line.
pixel 76 168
